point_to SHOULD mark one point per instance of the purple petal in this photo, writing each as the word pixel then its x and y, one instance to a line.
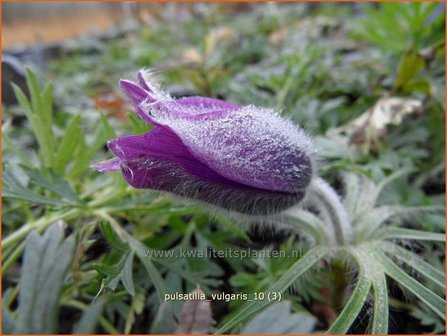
pixel 145 101
pixel 164 109
pixel 162 175
pixel 135 93
pixel 141 77
pixel 252 146
pixel 206 103
pixel 215 151
pixel 200 108
pixel 154 106
pixel 163 144
pixel 249 145
pixel 137 96
pixel 159 160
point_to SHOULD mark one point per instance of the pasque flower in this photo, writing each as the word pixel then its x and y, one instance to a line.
pixel 244 159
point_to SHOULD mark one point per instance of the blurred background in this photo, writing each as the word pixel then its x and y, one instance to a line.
pixel 367 80
pixel 26 24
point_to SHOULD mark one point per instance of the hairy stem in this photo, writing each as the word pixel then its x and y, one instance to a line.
pixel 324 197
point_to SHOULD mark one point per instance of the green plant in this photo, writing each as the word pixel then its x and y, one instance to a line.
pixel 394 27
pixel 360 247
pixel 385 264
pixel 45 264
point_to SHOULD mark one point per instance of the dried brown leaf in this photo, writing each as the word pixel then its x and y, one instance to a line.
pixel 366 130
pixel 196 316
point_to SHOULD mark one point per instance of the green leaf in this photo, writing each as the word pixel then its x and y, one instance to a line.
pixel 136 308
pixel 8 323
pixel 12 188
pixel 361 195
pixel 410 65
pixel 32 118
pixel 124 269
pixel 68 144
pixel 106 132
pixel 373 219
pixel 433 301
pixel 415 262
pixel 310 224
pixel 394 27
pixel 85 153
pixel 290 276
pixel 82 161
pixel 352 190
pixel 358 296
pixel 372 271
pixel 45 263
pixel 127 278
pixel 164 321
pixel 157 280
pixel 9 144
pixel 422 85
pixel 38 111
pixel 278 319
pixel 387 180
pixel 427 318
pixel 138 125
pixel 121 270
pixel 402 233
pixel 111 237
pixel 47 104
pixel 381 309
pixel 54 183
pixel 34 87
pixel 23 100
pixel 89 318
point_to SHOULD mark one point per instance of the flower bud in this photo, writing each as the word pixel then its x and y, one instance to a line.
pixel 244 159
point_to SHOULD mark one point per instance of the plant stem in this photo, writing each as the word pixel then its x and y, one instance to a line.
pixel 13 257
pixel 65 215
pixel 39 225
pixel 322 194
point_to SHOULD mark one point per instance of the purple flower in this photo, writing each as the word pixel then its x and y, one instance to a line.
pixel 245 159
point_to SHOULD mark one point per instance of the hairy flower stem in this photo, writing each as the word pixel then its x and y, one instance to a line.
pixel 324 197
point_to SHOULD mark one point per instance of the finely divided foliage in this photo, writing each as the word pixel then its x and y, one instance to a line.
pixel 365 252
